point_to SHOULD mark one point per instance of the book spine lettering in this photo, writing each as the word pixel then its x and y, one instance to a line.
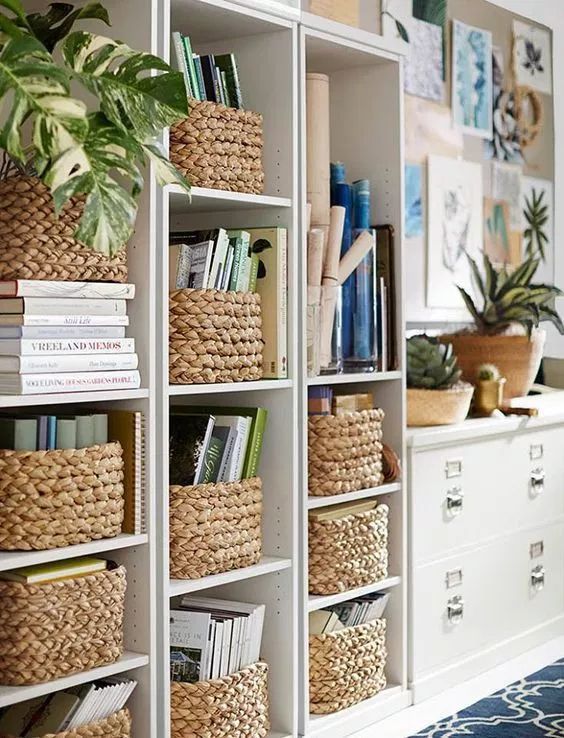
pixel 36 384
pixel 28 347
pixel 80 363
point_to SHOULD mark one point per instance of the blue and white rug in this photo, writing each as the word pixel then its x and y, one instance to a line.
pixel 530 708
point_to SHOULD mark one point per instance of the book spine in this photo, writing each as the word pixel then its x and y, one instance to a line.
pixel 63 332
pixel 187 46
pixel 30 347
pixel 40 384
pixel 71 320
pixel 80 363
pixel 200 76
pixel 236 85
pixel 208 73
pixel 225 89
pixel 282 304
pixel 255 444
pixel 65 305
pixel 237 244
pixel 181 62
pixel 88 290
pixel 254 272
pixel 245 267
pixel 218 86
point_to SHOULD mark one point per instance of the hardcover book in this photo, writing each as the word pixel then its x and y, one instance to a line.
pixel 61 331
pixel 189 439
pixel 228 65
pixel 37 384
pixel 127 427
pixel 61 306
pixel 63 320
pixel 55 346
pixel 67 363
pixel 56 288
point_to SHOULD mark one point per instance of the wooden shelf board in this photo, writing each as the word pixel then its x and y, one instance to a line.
pixel 267 565
pixel 353 378
pixel 361 494
pixel 129 660
pixel 74 398
pixel 16 559
pixel 205 200
pixel 217 389
pixel 318 602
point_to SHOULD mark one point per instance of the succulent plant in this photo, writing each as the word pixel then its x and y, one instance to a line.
pixel 488 373
pixel 510 297
pixel 431 364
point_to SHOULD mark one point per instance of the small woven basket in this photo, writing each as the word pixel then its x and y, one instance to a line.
pixel 117 725
pixel 214 527
pixel 235 706
pixel 36 244
pixel 345 452
pixel 219 147
pixel 50 499
pixel 215 337
pixel 349 552
pixel 346 666
pixel 59 628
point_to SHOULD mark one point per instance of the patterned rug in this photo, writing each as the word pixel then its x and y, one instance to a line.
pixel 531 708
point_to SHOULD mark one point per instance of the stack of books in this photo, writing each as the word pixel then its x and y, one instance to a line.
pixel 215 444
pixel 55 570
pixel 211 638
pixel 212 77
pixel 346 614
pixel 65 337
pixel 323 400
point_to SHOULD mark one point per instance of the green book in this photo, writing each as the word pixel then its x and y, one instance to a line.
pixel 66 433
pixel 228 67
pixel 244 270
pixel 191 68
pixel 18 434
pixel 181 61
pixel 237 243
pixel 214 454
pixel 84 431
pixel 100 428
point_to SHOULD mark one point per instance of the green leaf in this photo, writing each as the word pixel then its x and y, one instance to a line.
pixel 15 6
pixel 432 11
pixel 54 25
pixel 552 316
pixel 472 309
pixel 476 275
pixel 491 278
pixel 402 30
pixel 165 172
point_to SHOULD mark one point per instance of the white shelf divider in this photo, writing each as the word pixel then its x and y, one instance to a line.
pixel 267 565
pixel 74 398
pixel 361 494
pixel 349 378
pixel 265 385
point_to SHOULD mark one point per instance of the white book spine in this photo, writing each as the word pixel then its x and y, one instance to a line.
pixel 56 288
pixel 38 384
pixel 51 347
pixel 80 363
pixel 217 646
pixel 64 320
pixel 99 333
pixel 63 306
pixel 226 647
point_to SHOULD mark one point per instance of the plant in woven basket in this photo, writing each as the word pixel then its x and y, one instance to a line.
pixel 95 152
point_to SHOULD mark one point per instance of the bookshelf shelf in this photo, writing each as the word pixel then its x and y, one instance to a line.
pixel 73 398
pixel 266 385
pixel 318 602
pixel 361 494
pixel 204 200
pixel 16 559
pixel 354 378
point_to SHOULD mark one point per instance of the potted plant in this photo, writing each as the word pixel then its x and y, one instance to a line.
pixel 489 390
pixel 435 394
pixel 506 325
pixel 75 167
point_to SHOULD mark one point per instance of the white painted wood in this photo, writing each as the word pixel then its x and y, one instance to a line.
pixel 203 200
pixel 354 378
pixel 267 565
pixel 74 398
pixel 265 385
pixel 318 602
pixel 362 494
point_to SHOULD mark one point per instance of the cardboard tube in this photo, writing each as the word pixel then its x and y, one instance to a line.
pixel 317 142
pixel 359 249
pixel 333 250
pixel 315 253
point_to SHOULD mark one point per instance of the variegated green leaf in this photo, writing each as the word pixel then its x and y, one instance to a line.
pixel 54 25
pixel 165 172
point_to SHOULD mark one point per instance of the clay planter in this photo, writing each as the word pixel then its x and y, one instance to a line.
pixel 517 357
pixel 438 407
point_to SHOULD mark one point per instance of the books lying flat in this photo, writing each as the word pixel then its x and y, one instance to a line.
pixel 336 512
pixel 41 573
pixel 53 347
pixel 63 320
pixel 55 288
pixel 72 363
pixel 43 384
pixel 96 332
pixel 61 306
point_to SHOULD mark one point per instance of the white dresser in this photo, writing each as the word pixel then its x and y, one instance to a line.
pixel 486 545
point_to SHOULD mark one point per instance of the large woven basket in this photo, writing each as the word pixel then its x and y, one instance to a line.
pixel 349 552
pixel 346 666
pixel 345 452
pixel 214 527
pixel 59 498
pixel 117 725
pixel 219 147
pixel 214 337
pixel 59 628
pixel 235 706
pixel 36 244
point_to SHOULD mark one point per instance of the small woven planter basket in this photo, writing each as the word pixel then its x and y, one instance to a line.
pixel 59 498
pixel 219 147
pixel 349 552
pixel 214 527
pixel 214 337
pixel 234 706
pixel 35 244
pixel 117 725
pixel 346 666
pixel 59 628
pixel 345 452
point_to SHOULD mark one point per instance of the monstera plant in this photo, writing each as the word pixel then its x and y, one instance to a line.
pixel 95 150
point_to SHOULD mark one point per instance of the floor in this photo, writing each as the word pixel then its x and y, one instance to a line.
pixel 415 718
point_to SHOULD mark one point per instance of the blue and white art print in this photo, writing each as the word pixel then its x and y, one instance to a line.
pixel 472 91
pixel 413 200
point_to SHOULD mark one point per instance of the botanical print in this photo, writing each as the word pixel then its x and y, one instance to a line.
pixel 472 96
pixel 506 185
pixel 532 57
pixel 424 62
pixel 500 243
pixel 396 19
pixel 413 200
pixel 455 228
pixel 506 142
pixel 538 224
pixel 429 130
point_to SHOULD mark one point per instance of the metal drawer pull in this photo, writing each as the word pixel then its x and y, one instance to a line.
pixel 537 481
pixel 455 501
pixel 453 468
pixel 537 578
pixel 455 610
pixel 536 451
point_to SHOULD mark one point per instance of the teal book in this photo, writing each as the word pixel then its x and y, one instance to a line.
pixel 228 66
pixel 190 67
pixel 18 434
pixel 66 433
pixel 199 76
pixel 100 428
pixel 84 431
pixel 180 62
pixel 237 243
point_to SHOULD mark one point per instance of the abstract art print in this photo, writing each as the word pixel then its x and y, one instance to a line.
pixel 472 90
pixel 506 185
pixel 502 245
pixel 413 200
pixel 532 57
pixel 538 224
pixel 455 228
pixel 429 130
pixel 424 63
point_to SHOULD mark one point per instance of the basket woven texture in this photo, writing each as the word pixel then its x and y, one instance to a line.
pixel 214 527
pixel 59 498
pixel 59 628
pixel 219 147
pixel 214 337
pixel 117 725
pixel 235 706
pixel 346 667
pixel 35 244
pixel 345 452
pixel 349 552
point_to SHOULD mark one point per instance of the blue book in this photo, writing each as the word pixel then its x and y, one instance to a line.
pixel 51 432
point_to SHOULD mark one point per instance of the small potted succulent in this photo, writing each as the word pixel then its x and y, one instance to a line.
pixel 435 394
pixel 506 331
pixel 489 390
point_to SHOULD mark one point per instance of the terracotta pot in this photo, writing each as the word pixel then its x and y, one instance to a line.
pixel 438 407
pixel 517 357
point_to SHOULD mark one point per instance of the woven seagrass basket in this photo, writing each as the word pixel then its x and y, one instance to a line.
pixel 59 628
pixel 36 244
pixel 349 552
pixel 214 337
pixel 345 452
pixel 117 725
pixel 219 147
pixel 346 666
pixel 214 527
pixel 235 705
pixel 50 499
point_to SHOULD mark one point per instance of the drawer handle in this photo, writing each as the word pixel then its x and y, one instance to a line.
pixel 455 501
pixel 453 468
pixel 537 578
pixel 455 610
pixel 536 451
pixel 537 481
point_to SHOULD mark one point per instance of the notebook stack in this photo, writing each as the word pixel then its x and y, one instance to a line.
pixel 65 337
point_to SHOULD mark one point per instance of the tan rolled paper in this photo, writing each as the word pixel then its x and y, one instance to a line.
pixel 315 254
pixel 358 250
pixel 333 249
pixel 318 152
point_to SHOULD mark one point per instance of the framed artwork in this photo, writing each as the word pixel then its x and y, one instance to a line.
pixel 413 200
pixel 472 84
pixel 501 244
pixel 538 224
pixel 455 228
pixel 424 62
pixel 429 130
pixel 396 19
pixel 532 57
pixel 506 185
